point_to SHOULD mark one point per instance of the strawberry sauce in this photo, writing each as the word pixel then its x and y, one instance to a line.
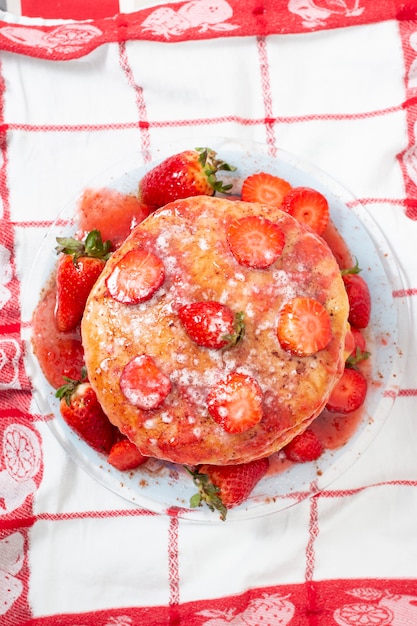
pixel 335 430
pixel 111 212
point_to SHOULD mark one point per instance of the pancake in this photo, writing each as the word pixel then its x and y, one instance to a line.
pixel 189 241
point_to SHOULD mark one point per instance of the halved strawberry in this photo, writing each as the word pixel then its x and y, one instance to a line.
pixel 308 206
pixel 235 402
pixel 136 277
pixel 304 326
pixel 143 383
pixel 82 412
pixel 188 173
pixel 124 455
pixel 349 393
pixel 79 266
pixel 304 448
pixel 223 487
pixel 255 241
pixel 358 295
pixel 265 189
pixel 212 324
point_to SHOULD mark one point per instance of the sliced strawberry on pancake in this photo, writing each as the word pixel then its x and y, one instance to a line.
pixel 304 326
pixel 255 241
pixel 136 277
pixel 143 383
pixel 236 403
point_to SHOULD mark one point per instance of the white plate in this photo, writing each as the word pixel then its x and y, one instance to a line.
pixel 159 486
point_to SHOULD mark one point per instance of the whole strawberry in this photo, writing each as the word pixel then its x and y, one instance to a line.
pixel 79 266
pixel 304 448
pixel 188 173
pixel 124 455
pixel 83 413
pixel 359 297
pixel 349 393
pixel 211 324
pixel 224 486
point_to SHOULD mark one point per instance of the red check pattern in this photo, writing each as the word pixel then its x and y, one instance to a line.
pixel 335 83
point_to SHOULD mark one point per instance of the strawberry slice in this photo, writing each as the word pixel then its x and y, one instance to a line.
pixel 349 393
pixel 211 324
pixel 136 277
pixel 265 189
pixel 224 486
pixel 304 448
pixel 236 403
pixel 304 326
pixel 308 206
pixel 79 266
pixel 124 455
pixel 358 295
pixel 82 412
pixel 143 383
pixel 255 241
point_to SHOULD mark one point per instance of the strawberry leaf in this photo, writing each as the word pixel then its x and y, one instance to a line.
pixel 352 270
pixel 207 493
pixel 69 245
pixel 357 357
pixel 238 333
pixel 93 246
pixel 211 165
pixel 66 391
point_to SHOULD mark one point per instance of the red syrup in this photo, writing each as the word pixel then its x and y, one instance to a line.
pixel 112 213
pixel 115 215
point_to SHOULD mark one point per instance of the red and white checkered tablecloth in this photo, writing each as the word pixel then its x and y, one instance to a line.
pixel 81 86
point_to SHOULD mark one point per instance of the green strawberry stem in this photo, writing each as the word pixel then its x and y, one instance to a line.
pixel 207 493
pixel 211 165
pixel 92 246
pixel 354 359
pixel 238 331
pixel 352 270
pixel 66 391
